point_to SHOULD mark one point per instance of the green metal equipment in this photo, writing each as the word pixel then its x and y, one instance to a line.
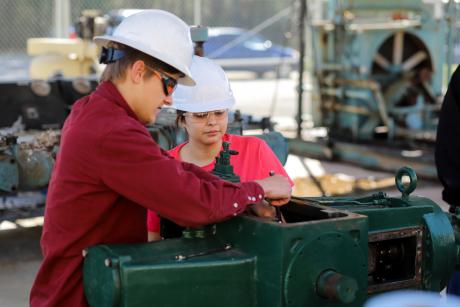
pixel 330 252
pixel 25 169
pixel 379 67
pixel 22 168
pixel 223 168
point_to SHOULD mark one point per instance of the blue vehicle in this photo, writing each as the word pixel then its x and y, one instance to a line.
pixel 236 49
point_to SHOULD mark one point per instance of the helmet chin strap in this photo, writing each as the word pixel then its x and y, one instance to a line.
pixel 110 55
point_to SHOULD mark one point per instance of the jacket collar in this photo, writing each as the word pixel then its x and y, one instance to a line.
pixel 108 90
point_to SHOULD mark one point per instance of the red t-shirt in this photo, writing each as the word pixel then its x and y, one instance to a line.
pixel 107 172
pixel 254 161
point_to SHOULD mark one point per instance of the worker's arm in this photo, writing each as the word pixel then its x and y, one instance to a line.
pixel 134 165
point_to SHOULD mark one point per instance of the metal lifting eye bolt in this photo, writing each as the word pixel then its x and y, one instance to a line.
pixel 406 190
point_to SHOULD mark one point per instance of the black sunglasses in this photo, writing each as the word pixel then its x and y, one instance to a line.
pixel 169 83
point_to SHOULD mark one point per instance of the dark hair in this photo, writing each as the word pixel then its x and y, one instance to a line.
pixel 117 70
pixel 180 117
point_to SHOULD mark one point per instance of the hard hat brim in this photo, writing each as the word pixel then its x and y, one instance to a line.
pixel 203 107
pixel 186 80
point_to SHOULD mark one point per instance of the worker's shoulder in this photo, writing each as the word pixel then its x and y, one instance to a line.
pixel 95 117
pixel 110 114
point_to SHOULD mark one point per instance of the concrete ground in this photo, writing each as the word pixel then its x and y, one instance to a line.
pixel 20 258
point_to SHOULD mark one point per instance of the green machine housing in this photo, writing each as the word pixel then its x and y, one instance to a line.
pixel 330 252
pixel 379 67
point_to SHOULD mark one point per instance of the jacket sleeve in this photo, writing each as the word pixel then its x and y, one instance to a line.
pixel 133 165
pixel 447 142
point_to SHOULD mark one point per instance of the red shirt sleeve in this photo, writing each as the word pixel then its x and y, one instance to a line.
pixel 179 191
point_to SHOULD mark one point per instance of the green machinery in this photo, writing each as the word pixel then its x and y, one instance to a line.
pixel 25 168
pixel 379 67
pixel 378 74
pixel 330 252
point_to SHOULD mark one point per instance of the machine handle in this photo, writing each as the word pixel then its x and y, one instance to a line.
pixel 279 216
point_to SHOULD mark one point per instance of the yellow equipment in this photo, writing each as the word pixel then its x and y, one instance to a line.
pixel 70 57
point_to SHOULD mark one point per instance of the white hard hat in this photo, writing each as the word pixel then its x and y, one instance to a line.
pixel 211 92
pixel 408 298
pixel 159 34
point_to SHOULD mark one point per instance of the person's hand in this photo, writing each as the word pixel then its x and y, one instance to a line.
pixel 263 209
pixel 277 189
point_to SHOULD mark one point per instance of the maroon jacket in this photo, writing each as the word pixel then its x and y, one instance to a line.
pixel 107 172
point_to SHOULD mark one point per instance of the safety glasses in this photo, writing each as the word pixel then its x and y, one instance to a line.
pixel 201 117
pixel 169 83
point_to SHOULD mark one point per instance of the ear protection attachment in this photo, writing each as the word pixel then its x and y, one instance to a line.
pixel 110 55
